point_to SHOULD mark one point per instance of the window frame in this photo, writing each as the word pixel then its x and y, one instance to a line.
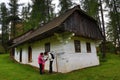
pixel 77 46
pixel 47 47
pixel 88 47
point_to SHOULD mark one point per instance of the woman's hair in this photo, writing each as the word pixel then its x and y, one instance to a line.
pixel 41 53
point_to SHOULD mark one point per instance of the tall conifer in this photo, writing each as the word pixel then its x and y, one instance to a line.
pixel 65 5
pixel 42 12
pixel 113 27
pixel 14 16
pixel 4 25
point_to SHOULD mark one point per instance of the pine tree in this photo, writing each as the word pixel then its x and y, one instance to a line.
pixel 14 16
pixel 42 12
pixel 4 25
pixel 65 5
pixel 114 23
pixel 50 10
pixel 26 12
pixel 91 7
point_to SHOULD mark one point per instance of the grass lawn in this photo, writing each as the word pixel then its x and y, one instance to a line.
pixel 109 70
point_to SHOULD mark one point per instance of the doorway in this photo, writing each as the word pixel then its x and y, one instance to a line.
pixel 20 55
pixel 29 54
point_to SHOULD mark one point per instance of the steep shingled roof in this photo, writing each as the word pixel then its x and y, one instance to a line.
pixel 51 25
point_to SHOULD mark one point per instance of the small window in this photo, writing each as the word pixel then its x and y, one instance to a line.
pixel 47 47
pixel 88 47
pixel 77 46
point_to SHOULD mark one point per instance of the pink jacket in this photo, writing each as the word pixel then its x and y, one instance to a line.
pixel 41 60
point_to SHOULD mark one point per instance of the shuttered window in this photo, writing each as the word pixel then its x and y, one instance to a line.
pixel 88 47
pixel 77 46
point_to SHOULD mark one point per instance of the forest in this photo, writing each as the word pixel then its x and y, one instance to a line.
pixel 15 21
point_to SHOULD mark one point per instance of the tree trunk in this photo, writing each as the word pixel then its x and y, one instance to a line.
pixel 103 25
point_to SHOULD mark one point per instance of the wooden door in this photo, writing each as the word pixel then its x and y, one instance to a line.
pixel 29 54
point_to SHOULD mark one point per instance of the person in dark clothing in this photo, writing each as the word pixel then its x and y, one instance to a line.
pixel 51 58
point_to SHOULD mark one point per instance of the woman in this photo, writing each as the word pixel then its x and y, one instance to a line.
pixel 41 63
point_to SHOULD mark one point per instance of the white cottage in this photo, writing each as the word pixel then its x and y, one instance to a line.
pixel 72 37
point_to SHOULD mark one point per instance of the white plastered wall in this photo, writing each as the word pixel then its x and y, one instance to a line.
pixel 66 59
pixel 74 61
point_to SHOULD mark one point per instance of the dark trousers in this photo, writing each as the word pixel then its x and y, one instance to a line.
pixel 50 67
pixel 40 68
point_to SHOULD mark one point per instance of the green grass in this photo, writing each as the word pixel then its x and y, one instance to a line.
pixel 109 70
pixel 1 49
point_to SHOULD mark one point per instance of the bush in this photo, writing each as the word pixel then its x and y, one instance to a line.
pixel 110 47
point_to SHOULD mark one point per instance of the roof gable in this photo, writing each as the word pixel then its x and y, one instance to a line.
pixel 82 25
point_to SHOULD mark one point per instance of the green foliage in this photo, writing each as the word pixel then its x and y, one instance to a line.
pixel 42 12
pixel 110 47
pixel 91 7
pixel 65 5
pixel 64 37
pixel 4 25
pixel 13 16
pixel 26 12
pixel 109 70
pixel 113 27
